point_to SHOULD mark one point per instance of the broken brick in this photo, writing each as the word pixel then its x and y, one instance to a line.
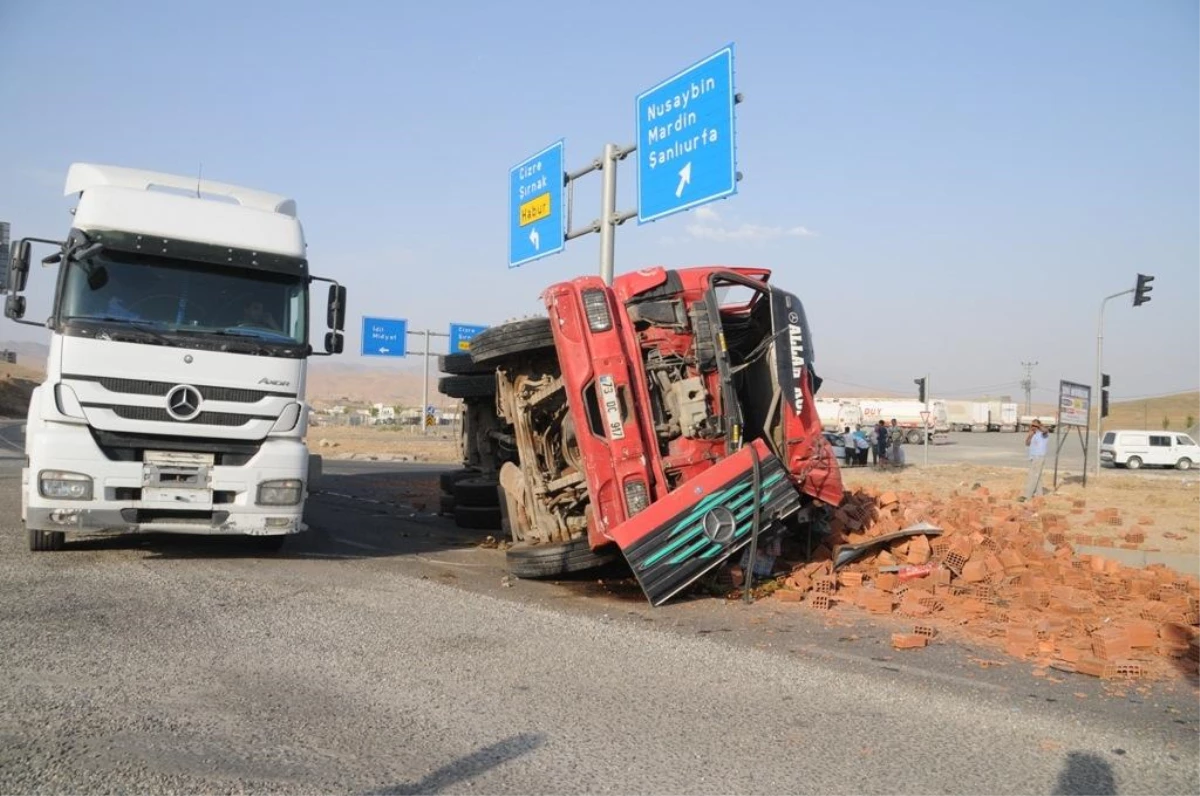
pixel 908 641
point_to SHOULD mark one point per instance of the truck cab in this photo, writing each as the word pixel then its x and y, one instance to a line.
pixel 174 398
pixel 671 416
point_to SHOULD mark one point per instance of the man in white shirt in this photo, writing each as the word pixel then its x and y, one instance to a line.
pixel 1037 440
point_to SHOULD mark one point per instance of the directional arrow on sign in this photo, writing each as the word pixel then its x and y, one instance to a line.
pixel 535 239
pixel 384 350
pixel 685 176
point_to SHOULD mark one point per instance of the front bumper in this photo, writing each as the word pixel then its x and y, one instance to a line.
pixel 224 503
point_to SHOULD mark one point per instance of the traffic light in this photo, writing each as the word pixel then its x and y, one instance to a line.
pixel 920 389
pixel 1140 296
pixel 1104 381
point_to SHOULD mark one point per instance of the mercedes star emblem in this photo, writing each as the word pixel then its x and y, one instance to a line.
pixel 719 525
pixel 183 402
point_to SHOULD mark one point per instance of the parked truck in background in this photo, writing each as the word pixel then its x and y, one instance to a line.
pixel 1002 416
pixel 967 416
pixel 174 397
pixel 669 418
pixel 1025 422
pixel 838 413
pixel 907 414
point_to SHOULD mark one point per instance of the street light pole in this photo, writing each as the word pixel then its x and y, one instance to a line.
pixel 1099 366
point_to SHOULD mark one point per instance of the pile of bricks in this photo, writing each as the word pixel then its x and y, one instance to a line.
pixel 1007 572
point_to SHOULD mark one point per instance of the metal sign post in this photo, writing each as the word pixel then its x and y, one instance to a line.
pixel 685 132
pixel 1074 411
pixel 925 418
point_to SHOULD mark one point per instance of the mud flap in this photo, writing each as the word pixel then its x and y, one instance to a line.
pixel 706 520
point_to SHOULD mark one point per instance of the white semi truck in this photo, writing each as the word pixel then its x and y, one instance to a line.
pixel 174 398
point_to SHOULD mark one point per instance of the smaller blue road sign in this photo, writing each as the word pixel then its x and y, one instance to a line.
pixel 461 335
pixel 384 337
pixel 535 207
pixel 685 139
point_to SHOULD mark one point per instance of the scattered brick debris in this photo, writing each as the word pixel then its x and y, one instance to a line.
pixel 1007 573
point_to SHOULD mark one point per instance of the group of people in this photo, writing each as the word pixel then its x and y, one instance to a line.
pixel 884 444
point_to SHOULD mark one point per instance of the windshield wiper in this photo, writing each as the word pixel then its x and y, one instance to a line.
pixel 139 324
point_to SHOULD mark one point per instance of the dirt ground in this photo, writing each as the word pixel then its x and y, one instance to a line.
pixel 384 443
pixel 1171 503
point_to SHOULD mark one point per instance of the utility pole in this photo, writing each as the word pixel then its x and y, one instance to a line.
pixel 1027 383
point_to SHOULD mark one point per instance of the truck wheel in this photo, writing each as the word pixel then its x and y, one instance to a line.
pixel 914 438
pixel 467 386
pixel 45 541
pixel 316 466
pixel 1183 464
pixel 529 334
pixel 479 518
pixel 1134 463
pixel 460 364
pixel 483 492
pixel 550 560
pixel 447 480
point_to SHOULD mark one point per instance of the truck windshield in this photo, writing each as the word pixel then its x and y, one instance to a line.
pixel 186 298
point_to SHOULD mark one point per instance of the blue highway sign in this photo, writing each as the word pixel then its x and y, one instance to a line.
pixel 685 139
pixel 384 337
pixel 535 207
pixel 460 336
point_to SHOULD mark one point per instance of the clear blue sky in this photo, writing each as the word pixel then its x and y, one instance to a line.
pixel 951 187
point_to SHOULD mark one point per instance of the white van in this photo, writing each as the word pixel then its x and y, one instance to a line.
pixel 1134 449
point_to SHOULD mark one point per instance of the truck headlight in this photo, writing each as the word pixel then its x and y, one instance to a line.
pixel 284 492
pixel 595 306
pixel 61 485
pixel 637 497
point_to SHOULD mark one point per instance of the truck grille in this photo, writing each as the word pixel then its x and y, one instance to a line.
pixel 678 552
pixel 208 393
pixel 154 414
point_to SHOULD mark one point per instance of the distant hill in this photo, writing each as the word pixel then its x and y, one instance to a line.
pixel 16 386
pixel 1181 411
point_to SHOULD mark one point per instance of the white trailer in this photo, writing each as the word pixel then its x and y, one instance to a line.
pixel 967 415
pixel 174 398
pixel 838 413
pixel 1002 416
pixel 907 414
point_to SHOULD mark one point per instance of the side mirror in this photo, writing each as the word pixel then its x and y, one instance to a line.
pixel 335 316
pixel 18 269
pixel 333 343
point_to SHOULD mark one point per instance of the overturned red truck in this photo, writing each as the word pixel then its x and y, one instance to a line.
pixel 668 418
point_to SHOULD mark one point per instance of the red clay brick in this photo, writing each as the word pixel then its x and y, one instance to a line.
pixel 1111 644
pixel 908 641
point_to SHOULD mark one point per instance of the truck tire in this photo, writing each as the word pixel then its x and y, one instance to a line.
pixel 478 386
pixel 316 466
pixel 45 541
pixel 477 492
pixel 460 364
pixel 517 337
pixel 448 479
pixel 914 438
pixel 551 560
pixel 479 518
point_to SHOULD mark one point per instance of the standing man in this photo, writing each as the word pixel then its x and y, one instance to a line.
pixel 896 435
pixel 881 443
pixel 1037 441
pixel 848 450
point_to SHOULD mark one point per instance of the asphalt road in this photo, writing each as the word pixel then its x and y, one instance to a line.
pixel 386 652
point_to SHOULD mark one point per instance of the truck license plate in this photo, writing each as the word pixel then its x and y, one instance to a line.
pixel 612 408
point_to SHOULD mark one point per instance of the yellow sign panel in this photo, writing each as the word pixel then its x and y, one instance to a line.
pixel 535 209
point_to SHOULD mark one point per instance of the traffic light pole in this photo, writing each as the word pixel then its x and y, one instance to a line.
pixel 1096 397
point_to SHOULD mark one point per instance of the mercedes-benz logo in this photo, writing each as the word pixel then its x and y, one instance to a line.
pixel 183 402
pixel 719 525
